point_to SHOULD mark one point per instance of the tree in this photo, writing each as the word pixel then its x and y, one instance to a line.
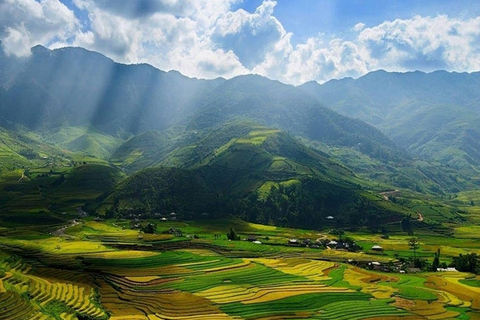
pixel 436 260
pixel 149 228
pixel 413 244
pixel 339 233
pixel 232 235
pixel 407 224
pixel 468 263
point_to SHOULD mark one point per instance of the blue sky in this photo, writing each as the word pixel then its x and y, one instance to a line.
pixel 293 41
pixel 305 18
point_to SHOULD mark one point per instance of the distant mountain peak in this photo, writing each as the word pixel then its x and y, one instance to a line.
pixel 39 49
pixel 428 114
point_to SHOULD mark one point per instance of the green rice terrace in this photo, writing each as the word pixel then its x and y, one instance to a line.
pixel 91 269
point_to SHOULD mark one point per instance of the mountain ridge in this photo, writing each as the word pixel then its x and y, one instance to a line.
pixel 85 102
pixel 75 87
pixel 425 113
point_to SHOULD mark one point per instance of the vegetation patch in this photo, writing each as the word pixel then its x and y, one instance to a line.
pixel 288 306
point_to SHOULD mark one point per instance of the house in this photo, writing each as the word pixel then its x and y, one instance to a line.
pixel 332 244
pixel 450 269
pixel 375 265
pixel 251 238
pixel 377 248
pixel 293 242
pixel 330 218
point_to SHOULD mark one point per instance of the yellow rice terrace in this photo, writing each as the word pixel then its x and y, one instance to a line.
pixel 90 269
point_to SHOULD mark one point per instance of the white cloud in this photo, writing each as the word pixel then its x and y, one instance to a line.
pixel 250 36
pixel 136 8
pixel 359 26
pixel 206 38
pixel 113 35
pixel 16 41
pixel 419 43
pixel 25 23
pixel 424 43
pixel 168 39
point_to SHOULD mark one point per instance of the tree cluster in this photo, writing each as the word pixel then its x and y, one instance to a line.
pixel 467 263
pixel 308 203
pixel 305 204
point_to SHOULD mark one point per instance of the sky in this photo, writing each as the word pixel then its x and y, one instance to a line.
pixel 293 41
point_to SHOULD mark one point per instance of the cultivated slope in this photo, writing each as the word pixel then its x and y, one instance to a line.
pixel 260 173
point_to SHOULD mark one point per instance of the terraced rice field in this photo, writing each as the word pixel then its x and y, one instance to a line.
pixel 198 285
pixel 99 281
pixel 25 295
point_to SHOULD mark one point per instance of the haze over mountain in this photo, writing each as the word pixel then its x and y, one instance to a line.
pixel 136 116
pixel 432 115
pixel 75 87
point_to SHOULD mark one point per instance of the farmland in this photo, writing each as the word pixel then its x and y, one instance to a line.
pixel 106 270
pixel 127 192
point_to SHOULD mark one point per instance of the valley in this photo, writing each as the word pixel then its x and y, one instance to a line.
pixel 127 192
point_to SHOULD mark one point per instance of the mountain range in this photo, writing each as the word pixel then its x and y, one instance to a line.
pixel 72 108
pixel 75 87
pixel 431 115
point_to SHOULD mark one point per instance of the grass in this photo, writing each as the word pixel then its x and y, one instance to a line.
pixel 471 282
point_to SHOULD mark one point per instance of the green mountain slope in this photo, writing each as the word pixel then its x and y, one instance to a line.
pixel 74 87
pixel 257 172
pixel 422 176
pixel 433 115
pixel 89 141
pixel 247 146
pixel 200 193
pixel 143 150
pixel 38 177
pixel 64 189
pixel 288 108
pixel 163 190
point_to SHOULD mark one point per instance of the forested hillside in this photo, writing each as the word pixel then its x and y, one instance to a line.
pixel 431 115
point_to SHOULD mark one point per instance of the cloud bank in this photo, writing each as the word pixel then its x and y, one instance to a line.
pixel 208 39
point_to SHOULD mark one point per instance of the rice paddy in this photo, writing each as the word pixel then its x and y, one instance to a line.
pixel 102 270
